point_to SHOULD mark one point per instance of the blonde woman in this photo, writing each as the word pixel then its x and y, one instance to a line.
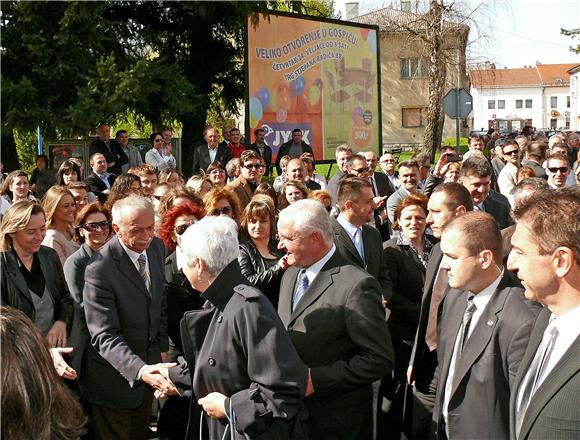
pixel 60 209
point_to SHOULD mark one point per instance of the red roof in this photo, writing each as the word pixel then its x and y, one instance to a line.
pixel 537 76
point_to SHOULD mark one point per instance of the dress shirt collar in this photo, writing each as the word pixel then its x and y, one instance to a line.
pixel 103 176
pixel 134 255
pixel 313 271
pixel 567 324
pixel 348 226
pixel 179 258
pixel 482 298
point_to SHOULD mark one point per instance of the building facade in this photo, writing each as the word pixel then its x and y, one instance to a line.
pixel 574 73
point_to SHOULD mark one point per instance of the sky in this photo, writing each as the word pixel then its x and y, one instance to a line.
pixel 512 33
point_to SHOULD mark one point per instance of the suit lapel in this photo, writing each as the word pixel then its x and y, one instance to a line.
pixel 155 273
pixel 286 292
pixel 14 271
pixel 320 284
pixel 343 238
pixel 452 322
pixel 126 266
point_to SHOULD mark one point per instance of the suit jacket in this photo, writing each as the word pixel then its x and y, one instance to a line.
pixel 201 159
pixel 96 185
pixel 497 164
pixel 423 361
pixel 538 169
pixel 553 410
pixel 340 332
pixel 242 188
pixel 479 398
pixel 127 324
pixel 267 156
pixel 285 148
pixel 384 184
pixel 114 153
pixel 374 263
pixel 501 212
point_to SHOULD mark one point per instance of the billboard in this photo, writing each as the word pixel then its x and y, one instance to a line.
pixel 319 76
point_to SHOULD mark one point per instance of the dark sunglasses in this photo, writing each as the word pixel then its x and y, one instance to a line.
pixel 509 153
pixel 96 226
pixel 180 230
pixel 158 140
pixel 361 170
pixel 254 166
pixel 219 211
pixel 554 170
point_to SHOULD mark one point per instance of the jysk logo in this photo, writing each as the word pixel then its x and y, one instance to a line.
pixel 278 133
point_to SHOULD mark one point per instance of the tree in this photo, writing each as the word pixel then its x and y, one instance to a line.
pixel 575 34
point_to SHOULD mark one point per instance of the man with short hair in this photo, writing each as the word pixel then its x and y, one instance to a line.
pixel 263 150
pixel 387 162
pixel 148 177
pixel 209 151
pixel 295 170
pixel 80 194
pixel 482 334
pixel 557 169
pixel 573 144
pixel 310 168
pixel 126 318
pixel 295 147
pixel 409 178
pixel 534 158
pixel 245 184
pixel 476 177
pixel 233 169
pixel 342 155
pixel 506 180
pixel 521 141
pixel 424 161
pixel 546 256
pixel 99 182
pixel 381 184
pixel 235 145
pixel 447 201
pixel 131 151
pixel 114 155
pixel 498 161
pixel 334 317
pixel 226 130
pixel 476 143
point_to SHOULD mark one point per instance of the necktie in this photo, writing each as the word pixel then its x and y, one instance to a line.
pixel 301 287
pixel 358 243
pixel 536 370
pixel 464 329
pixel 373 185
pixel 436 298
pixel 142 260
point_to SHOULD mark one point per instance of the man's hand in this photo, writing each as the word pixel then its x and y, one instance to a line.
pixel 309 385
pixel 56 336
pixel 379 202
pixel 61 367
pixel 442 162
pixel 157 377
pixel 214 405
pixel 111 164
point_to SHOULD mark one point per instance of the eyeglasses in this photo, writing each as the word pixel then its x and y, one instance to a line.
pixel 254 166
pixel 96 226
pixel 554 170
pixel 222 211
pixel 217 171
pixel 180 230
pixel 361 170
pixel 509 153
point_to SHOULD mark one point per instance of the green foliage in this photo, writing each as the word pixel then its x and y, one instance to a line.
pixel 26 147
pixel 575 34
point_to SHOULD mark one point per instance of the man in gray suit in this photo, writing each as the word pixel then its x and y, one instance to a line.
pixel 409 178
pixel 342 154
pixel 126 317
pixel 335 319
pixel 546 256
pixel 483 332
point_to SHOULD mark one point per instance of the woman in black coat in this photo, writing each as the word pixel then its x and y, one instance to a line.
pixel 260 260
pixel 406 258
pixel 245 372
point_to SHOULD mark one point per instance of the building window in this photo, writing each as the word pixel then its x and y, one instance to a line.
pixel 568 101
pixel 414 68
pixel 553 101
pixel 491 105
pixel 553 124
pixel 528 103
pixel 519 103
pixel 501 103
pixel 413 116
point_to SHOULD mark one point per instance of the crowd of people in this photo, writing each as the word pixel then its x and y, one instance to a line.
pixel 396 300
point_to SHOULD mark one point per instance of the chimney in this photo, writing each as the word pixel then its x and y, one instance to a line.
pixel 351 10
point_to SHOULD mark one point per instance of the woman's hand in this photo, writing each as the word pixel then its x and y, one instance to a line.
pixel 57 335
pixel 283 262
pixel 214 405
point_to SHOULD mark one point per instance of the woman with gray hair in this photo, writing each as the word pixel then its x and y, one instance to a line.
pixel 247 376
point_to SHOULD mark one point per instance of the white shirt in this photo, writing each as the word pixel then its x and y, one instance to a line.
pixel 480 300
pixel 568 331
pixel 134 256
pixel 212 153
pixel 507 181
pixel 313 271
pixel 105 178
pixel 154 158
pixel 350 229
pixel 394 180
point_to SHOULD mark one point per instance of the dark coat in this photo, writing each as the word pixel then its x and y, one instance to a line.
pixel 15 291
pixel 267 156
pixel 201 159
pixel 253 267
pixel 340 332
pixel 127 324
pixel 112 154
pixel 240 348
pixel 480 393
pixel 501 212
pixel 407 274
pixel 285 148
pixel 96 185
pixel 553 409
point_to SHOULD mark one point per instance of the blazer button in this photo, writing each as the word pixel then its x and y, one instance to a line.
pixel 220 319
pixel 211 361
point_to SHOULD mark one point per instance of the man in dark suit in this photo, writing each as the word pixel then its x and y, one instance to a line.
pixel 296 170
pixel 114 154
pixel 125 312
pixel 535 155
pixel 210 151
pixel 483 333
pixel 359 243
pixel 476 177
pixel 245 184
pixel 342 154
pixel 382 187
pixel 333 314
pixel 293 148
pixel 100 181
pixel 263 150
pixel 546 256
pixel 447 201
